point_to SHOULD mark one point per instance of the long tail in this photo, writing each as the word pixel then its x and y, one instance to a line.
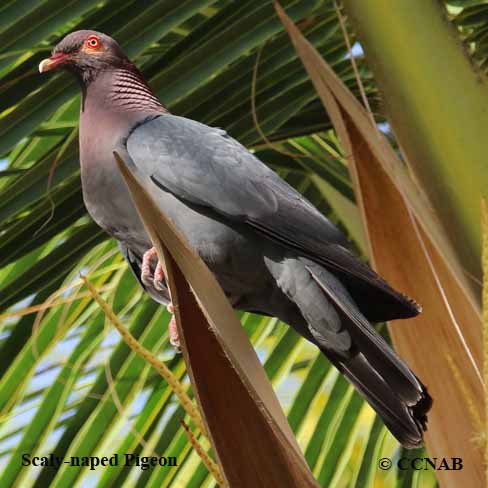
pixel 405 419
pixel 385 381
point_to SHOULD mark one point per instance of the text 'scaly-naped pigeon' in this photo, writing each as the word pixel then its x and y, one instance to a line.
pixel 270 249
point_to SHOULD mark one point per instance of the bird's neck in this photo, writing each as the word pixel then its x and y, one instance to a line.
pixel 113 104
pixel 121 89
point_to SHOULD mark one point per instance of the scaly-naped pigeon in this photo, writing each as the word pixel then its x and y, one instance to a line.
pixel 271 251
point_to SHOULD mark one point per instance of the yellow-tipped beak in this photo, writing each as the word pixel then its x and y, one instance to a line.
pixel 45 65
pixel 51 63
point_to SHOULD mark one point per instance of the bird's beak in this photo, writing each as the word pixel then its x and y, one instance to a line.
pixel 53 62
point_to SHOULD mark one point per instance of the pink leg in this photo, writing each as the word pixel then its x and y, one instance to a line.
pixel 146 275
pixel 174 338
pixel 157 281
pixel 159 277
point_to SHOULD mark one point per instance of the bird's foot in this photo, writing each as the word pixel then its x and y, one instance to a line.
pixel 146 273
pixel 157 280
pixel 174 338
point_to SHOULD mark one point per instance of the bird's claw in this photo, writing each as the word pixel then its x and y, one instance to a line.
pixel 147 277
pixel 174 338
pixel 158 281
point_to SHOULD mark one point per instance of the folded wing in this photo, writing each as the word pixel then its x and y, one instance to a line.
pixel 205 166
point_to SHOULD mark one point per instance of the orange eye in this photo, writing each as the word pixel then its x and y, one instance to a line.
pixel 93 42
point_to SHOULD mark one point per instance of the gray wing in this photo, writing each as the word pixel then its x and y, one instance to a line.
pixel 205 166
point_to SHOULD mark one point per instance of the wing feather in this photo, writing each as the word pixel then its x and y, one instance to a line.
pixel 205 166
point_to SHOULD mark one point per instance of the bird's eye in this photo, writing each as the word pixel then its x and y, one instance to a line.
pixel 93 42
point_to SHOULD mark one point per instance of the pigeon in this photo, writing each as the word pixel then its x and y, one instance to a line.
pixel 270 249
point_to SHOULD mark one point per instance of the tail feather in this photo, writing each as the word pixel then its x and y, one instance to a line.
pixel 406 422
pixel 386 382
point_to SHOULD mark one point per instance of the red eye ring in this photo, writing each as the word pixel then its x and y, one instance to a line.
pixel 93 42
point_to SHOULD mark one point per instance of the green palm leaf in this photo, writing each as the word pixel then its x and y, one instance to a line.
pixel 68 383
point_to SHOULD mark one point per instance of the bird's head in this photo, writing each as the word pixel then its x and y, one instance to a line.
pixel 90 56
pixel 85 53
